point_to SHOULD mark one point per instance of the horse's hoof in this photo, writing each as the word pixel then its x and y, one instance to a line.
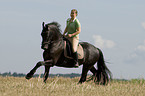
pixel 28 76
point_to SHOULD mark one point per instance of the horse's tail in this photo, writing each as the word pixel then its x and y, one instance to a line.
pixel 103 73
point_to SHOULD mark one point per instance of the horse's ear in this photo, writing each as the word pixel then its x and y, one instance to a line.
pixel 43 24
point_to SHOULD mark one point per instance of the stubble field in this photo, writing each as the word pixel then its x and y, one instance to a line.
pixel 59 86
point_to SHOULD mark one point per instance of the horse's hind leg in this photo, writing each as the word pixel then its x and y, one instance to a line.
pixel 98 77
pixel 84 74
pixel 94 71
pixel 46 73
pixel 30 74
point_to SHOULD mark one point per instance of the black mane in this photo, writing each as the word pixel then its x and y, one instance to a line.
pixel 56 24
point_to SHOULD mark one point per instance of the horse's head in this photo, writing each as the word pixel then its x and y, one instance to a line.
pixel 45 36
pixel 49 34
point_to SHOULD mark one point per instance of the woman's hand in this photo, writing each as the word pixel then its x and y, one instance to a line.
pixel 70 35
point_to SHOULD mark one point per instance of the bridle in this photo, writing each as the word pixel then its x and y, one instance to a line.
pixel 50 41
pixel 46 43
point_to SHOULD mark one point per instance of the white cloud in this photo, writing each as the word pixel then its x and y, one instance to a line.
pixel 143 25
pixel 138 55
pixel 103 43
pixel 141 47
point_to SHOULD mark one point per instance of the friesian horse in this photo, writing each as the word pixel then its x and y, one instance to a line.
pixel 53 55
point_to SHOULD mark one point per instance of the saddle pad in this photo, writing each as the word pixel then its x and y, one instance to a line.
pixel 80 52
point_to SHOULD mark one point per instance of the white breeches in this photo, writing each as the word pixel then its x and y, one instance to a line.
pixel 74 41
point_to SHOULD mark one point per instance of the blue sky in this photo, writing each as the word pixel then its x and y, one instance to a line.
pixel 117 27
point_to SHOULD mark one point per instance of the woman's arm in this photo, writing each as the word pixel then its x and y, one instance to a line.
pixel 65 31
pixel 76 33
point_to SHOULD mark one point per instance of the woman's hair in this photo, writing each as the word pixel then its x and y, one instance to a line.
pixel 75 11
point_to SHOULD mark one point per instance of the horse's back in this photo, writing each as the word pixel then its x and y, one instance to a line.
pixel 91 53
pixel 88 46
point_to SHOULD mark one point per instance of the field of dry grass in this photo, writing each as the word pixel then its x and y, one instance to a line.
pixel 59 86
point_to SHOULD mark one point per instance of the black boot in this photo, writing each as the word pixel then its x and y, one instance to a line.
pixel 75 56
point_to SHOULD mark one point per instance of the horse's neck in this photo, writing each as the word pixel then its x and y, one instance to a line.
pixel 57 34
pixel 59 40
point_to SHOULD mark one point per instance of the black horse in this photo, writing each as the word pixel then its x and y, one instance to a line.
pixel 53 46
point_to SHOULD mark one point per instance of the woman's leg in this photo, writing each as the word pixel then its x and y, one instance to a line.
pixel 75 42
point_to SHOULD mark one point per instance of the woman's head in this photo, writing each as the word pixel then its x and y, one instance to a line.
pixel 73 13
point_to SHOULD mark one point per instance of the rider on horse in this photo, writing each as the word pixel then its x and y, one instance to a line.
pixel 73 28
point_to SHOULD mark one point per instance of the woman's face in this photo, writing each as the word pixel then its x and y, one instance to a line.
pixel 73 14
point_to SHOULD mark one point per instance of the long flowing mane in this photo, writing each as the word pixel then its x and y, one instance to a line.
pixel 55 25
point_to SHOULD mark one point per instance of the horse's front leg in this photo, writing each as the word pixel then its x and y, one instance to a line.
pixel 46 73
pixel 40 63
pixel 30 74
pixel 49 63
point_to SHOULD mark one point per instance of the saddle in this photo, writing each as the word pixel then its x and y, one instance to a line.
pixel 68 53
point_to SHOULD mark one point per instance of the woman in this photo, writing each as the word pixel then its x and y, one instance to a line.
pixel 73 28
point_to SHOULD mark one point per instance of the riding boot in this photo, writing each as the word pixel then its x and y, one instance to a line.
pixel 75 56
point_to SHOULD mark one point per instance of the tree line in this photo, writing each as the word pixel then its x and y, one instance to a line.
pixel 15 74
pixel 71 75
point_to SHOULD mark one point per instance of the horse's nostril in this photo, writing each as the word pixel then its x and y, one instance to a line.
pixel 44 47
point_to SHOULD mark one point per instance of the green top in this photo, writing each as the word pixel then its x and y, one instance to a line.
pixel 72 27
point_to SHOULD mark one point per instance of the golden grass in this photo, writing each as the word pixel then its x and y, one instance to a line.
pixel 59 86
